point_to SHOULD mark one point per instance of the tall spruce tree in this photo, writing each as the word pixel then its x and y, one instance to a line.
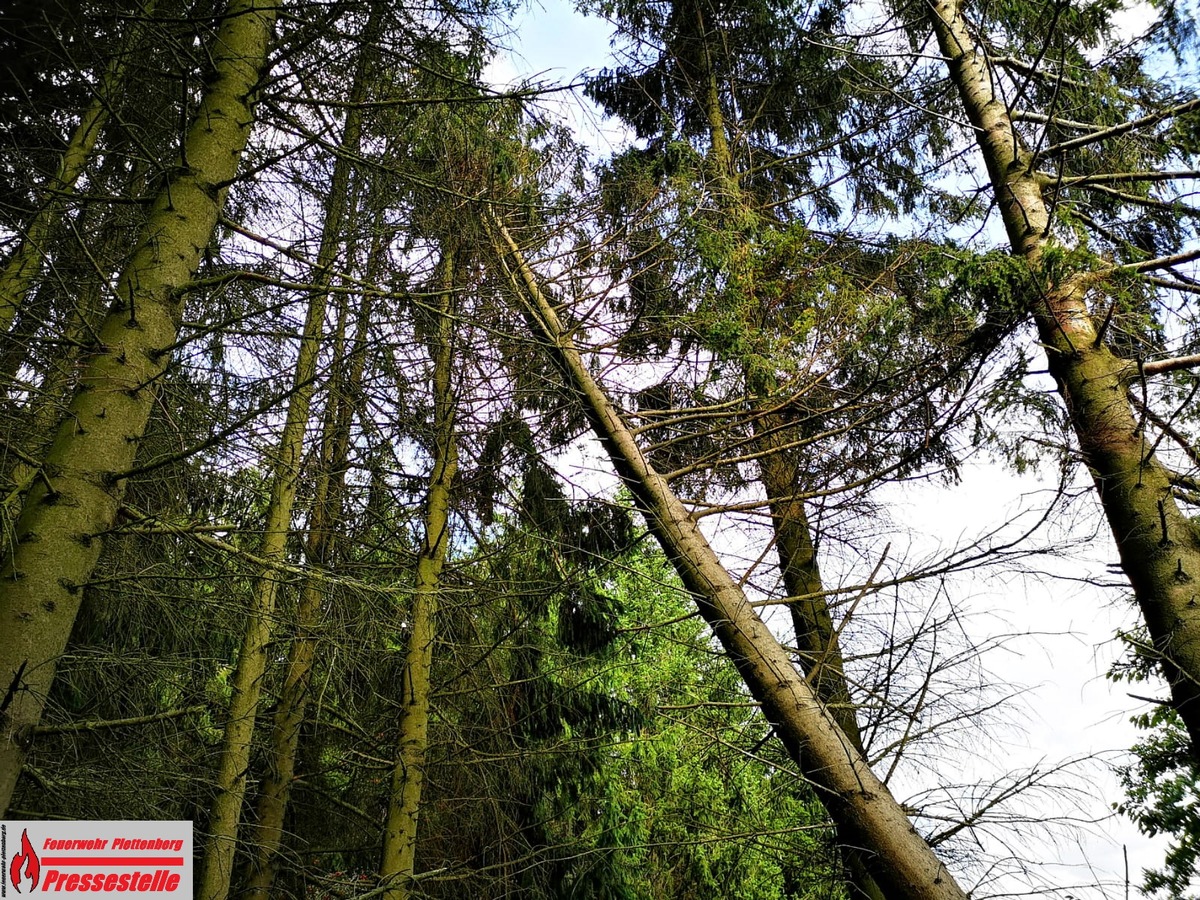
pixel 1090 190
pixel 63 517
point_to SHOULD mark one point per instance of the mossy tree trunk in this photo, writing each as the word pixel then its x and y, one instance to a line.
pixel 398 862
pixel 1158 546
pixel 78 493
pixel 247 681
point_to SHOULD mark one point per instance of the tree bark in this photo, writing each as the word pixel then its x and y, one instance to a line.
pixel 903 864
pixel 64 514
pixel 817 641
pixel 1159 547
pixel 398 862
pixel 247 681
pixel 326 514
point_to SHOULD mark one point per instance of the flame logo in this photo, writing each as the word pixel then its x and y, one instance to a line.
pixel 33 868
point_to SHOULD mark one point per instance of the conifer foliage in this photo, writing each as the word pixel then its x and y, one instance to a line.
pixel 426 507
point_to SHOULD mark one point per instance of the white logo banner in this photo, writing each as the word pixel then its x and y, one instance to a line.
pixel 133 859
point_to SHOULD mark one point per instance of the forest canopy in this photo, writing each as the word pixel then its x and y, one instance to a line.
pixel 427 503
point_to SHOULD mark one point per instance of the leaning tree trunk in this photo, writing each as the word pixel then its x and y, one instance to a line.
pixel 77 496
pixel 902 863
pixel 1159 547
pixel 817 640
pixel 247 681
pixel 398 863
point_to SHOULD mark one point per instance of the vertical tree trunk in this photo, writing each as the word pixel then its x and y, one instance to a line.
pixel 902 863
pixel 267 836
pixel 247 682
pixel 816 639
pixel 1158 545
pixel 57 540
pixel 408 776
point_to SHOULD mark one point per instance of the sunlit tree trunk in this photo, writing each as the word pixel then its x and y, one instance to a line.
pixel 324 518
pixel 902 863
pixel 79 490
pixel 247 681
pixel 398 861
pixel 1158 545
